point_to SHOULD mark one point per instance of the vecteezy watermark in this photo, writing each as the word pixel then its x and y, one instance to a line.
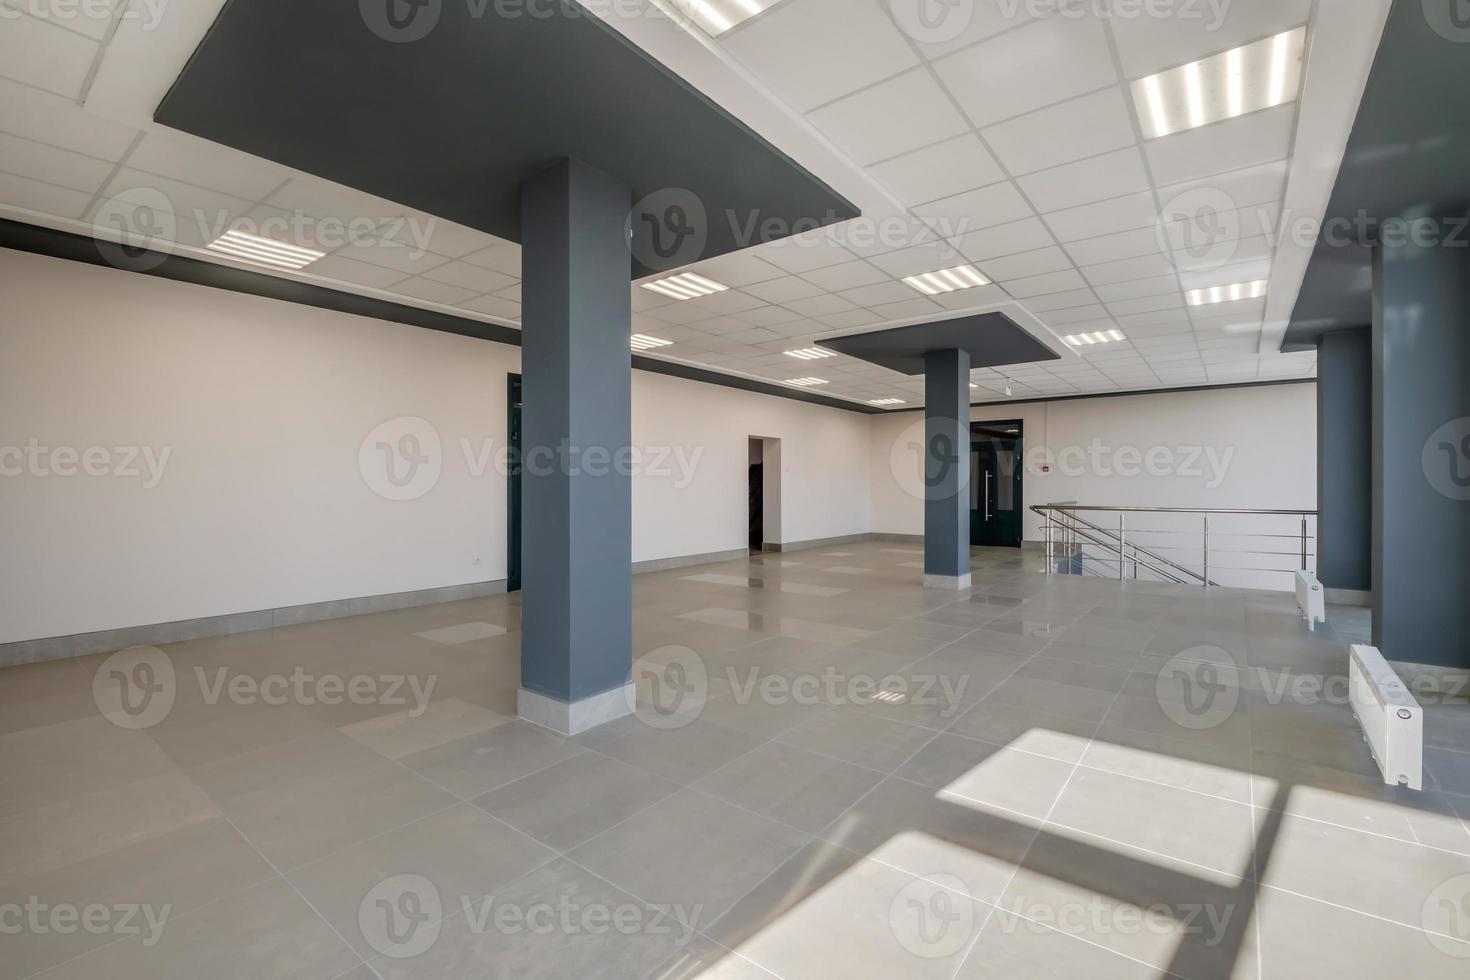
pixel 39 917
pixel 1446 917
pixel 148 13
pixel 1206 924
pixel 404 459
pixel 402 917
pixel 1446 458
pixel 1201 228
pixel 933 21
pixel 668 229
pixel 1450 19
pixel 920 464
pixel 670 687
pixel 1198 688
pixel 135 229
pixel 406 21
pixel 137 688
pixel 933 917
pixel 145 464
pixel 1211 12
pixel 410 235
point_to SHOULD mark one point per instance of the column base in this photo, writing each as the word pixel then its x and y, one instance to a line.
pixel 949 583
pixel 575 717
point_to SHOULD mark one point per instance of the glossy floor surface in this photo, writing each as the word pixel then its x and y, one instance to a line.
pixel 832 773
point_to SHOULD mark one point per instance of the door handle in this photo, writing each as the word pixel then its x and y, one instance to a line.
pixel 987 495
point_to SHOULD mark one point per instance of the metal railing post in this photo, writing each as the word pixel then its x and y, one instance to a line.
pixel 1049 557
pixel 1122 548
pixel 1206 576
pixel 1304 542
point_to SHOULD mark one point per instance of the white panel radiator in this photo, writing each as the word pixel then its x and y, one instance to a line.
pixel 1311 598
pixel 1392 720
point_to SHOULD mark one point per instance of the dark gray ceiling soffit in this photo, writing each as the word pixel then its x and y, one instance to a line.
pixel 1408 157
pixel 78 248
pixel 992 340
pixel 448 108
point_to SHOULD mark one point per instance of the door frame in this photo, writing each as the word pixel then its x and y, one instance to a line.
pixel 1000 430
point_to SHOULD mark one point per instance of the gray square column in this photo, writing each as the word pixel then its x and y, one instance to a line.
pixel 1421 453
pixel 577 510
pixel 947 469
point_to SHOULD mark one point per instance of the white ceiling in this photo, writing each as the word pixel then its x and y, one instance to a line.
pixel 1013 147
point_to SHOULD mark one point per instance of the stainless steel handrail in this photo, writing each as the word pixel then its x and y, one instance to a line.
pixel 1064 517
pixel 1122 547
pixel 1178 510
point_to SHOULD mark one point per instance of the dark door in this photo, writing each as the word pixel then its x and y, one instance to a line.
pixel 513 490
pixel 996 475
pixel 757 506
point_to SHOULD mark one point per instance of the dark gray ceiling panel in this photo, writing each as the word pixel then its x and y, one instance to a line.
pixel 448 105
pixel 992 340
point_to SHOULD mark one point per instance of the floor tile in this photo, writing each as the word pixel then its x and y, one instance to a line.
pixel 990 777
pixel 859 738
pixel 788 784
pixel 478 763
pixel 573 801
pixel 266 931
pixel 690 849
pixel 315 795
pixel 415 729
pixel 462 852
pixel 915 829
pixel 463 633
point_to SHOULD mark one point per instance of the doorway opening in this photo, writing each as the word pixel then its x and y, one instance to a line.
pixel 513 485
pixel 763 493
pixel 996 483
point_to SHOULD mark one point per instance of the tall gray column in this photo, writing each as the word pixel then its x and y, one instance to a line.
pixel 947 469
pixel 1344 450
pixel 576 647
pixel 1421 453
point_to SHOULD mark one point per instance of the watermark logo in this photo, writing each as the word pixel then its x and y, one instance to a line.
pixel 1446 459
pixel 401 21
pixel 1198 688
pixel 924 463
pixel 933 21
pixel 135 688
pixel 1200 227
pixel 933 917
pixel 670 688
pixel 668 229
pixel 1450 19
pixel 1446 917
pixel 35 459
pixel 149 13
pixel 136 229
pixel 401 916
pixel 402 459
pixel 42 918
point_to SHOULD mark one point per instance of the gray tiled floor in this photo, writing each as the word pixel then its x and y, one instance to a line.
pixel 1043 777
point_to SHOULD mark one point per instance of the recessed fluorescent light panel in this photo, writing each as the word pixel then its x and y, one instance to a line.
pixel 806 382
pixel 264 251
pixel 947 280
pixel 1245 79
pixel 810 354
pixel 1099 337
pixel 641 341
pixel 718 16
pixel 1226 294
pixel 687 286
pixel 886 401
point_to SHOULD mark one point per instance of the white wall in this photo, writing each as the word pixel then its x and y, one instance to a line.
pixel 263 407
pixel 1231 448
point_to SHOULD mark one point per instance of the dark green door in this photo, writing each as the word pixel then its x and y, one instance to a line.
pixel 996 476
